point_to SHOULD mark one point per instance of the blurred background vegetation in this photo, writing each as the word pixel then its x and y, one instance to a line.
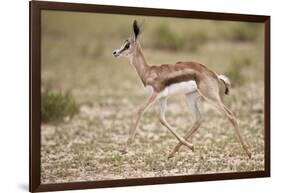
pixel 77 49
pixel 81 79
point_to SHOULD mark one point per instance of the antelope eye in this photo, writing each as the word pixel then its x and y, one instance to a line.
pixel 127 46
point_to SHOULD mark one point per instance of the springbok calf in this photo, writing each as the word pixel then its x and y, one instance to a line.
pixel 190 78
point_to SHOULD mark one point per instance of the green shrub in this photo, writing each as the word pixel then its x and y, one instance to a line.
pixel 164 38
pixel 56 106
pixel 235 71
pixel 195 40
pixel 243 33
pixel 235 75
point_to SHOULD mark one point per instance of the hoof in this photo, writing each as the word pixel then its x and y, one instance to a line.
pixel 192 148
pixel 123 151
pixel 249 155
pixel 171 155
pixel 248 152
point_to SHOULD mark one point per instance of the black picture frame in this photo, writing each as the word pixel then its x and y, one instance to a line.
pixel 35 93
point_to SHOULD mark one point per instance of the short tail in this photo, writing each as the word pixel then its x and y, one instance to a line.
pixel 226 83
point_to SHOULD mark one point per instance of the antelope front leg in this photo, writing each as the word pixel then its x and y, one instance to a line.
pixel 140 113
pixel 163 104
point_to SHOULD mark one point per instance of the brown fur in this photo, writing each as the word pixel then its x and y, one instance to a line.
pixel 164 75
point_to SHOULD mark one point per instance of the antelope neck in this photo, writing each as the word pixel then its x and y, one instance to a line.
pixel 139 62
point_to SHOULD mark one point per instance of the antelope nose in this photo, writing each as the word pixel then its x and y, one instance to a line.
pixel 114 53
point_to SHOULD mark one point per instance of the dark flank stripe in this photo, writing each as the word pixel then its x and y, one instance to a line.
pixel 178 79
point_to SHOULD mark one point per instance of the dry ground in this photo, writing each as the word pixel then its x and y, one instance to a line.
pixel 87 147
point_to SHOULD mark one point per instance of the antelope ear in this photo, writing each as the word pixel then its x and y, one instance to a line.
pixel 136 29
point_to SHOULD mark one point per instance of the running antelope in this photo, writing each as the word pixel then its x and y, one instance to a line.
pixel 192 79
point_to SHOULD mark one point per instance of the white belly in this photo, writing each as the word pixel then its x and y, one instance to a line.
pixel 179 88
pixel 182 87
pixel 174 89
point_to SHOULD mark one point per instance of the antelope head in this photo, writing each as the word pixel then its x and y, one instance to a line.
pixel 129 46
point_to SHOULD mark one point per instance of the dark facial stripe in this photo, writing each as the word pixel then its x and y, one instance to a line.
pixel 124 48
